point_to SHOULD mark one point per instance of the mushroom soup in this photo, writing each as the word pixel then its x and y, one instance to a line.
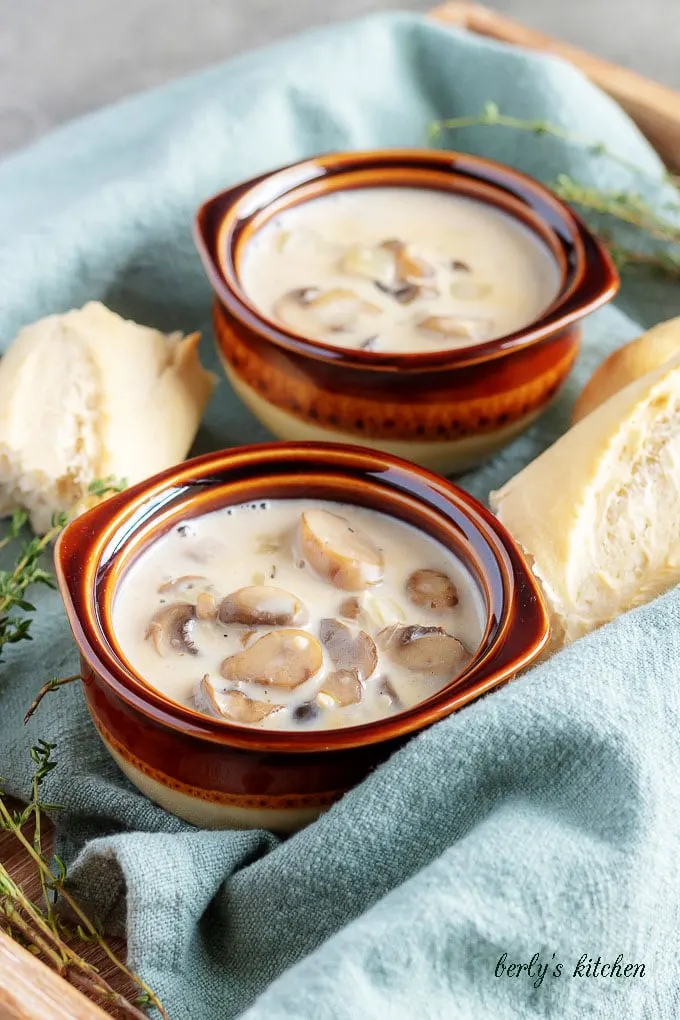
pixel 398 270
pixel 291 613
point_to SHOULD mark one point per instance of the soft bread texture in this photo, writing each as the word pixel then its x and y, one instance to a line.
pixel 88 395
pixel 649 351
pixel 598 513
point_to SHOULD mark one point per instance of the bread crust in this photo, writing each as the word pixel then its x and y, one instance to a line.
pixel 649 351
pixel 88 395
pixel 550 507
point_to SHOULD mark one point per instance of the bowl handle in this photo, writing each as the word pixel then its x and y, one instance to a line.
pixel 208 220
pixel 76 543
pixel 528 628
pixel 598 284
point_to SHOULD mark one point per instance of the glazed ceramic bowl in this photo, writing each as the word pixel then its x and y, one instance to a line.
pixel 445 409
pixel 219 774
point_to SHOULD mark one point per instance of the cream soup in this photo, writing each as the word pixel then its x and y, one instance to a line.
pixel 398 270
pixel 288 613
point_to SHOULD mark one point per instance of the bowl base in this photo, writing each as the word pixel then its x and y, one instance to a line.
pixel 212 814
pixel 445 456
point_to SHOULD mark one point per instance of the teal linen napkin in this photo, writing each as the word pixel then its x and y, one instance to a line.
pixel 542 820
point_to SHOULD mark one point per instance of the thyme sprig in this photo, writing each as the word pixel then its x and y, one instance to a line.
pixel 28 570
pixel 657 224
pixel 41 927
pixel 52 685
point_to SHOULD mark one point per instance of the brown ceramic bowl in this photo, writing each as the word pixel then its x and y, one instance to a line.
pixel 218 774
pixel 443 409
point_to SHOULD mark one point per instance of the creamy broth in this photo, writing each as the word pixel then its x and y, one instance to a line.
pixel 290 614
pixel 398 270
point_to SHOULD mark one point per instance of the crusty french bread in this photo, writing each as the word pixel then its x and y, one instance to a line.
pixel 87 395
pixel 598 513
pixel 628 363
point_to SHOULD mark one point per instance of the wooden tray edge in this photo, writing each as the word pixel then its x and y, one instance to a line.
pixel 29 990
pixel 655 108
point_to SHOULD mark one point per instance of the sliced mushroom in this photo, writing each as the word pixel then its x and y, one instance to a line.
pixel 171 629
pixel 183 584
pixel 374 263
pixel 457 327
pixel 343 686
pixel 282 658
pixel 350 608
pixel 262 605
pixel 339 553
pixel 424 649
pixel 339 308
pixel 391 265
pixel 404 293
pixel 349 651
pixel 410 267
pixel 310 311
pixel 431 588
pixel 235 705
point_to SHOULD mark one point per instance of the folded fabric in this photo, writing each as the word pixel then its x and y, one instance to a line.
pixel 537 827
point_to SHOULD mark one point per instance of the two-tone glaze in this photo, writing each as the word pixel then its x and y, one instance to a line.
pixel 445 409
pixel 215 773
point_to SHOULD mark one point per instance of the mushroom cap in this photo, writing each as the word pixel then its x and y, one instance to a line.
pixel 431 588
pixel 235 705
pixel 310 311
pixel 171 628
pixel 410 267
pixel 428 650
pixel 373 262
pixel 343 686
pixel 339 553
pixel 281 658
pixel 349 651
pixel 262 605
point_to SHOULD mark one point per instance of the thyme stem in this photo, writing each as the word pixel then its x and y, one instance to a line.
pixel 492 117
pixel 627 207
pixel 51 685
pixel 43 929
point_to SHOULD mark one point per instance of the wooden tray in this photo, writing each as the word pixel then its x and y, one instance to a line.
pixel 28 989
pixel 654 107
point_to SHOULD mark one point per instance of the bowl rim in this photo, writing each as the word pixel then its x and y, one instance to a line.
pixel 107 527
pixel 589 283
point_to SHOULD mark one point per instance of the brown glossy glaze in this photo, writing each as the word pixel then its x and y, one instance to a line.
pixel 435 395
pixel 215 760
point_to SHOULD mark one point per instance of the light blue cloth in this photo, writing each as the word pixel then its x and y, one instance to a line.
pixel 543 819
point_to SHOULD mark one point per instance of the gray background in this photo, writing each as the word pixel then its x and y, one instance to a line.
pixel 60 58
